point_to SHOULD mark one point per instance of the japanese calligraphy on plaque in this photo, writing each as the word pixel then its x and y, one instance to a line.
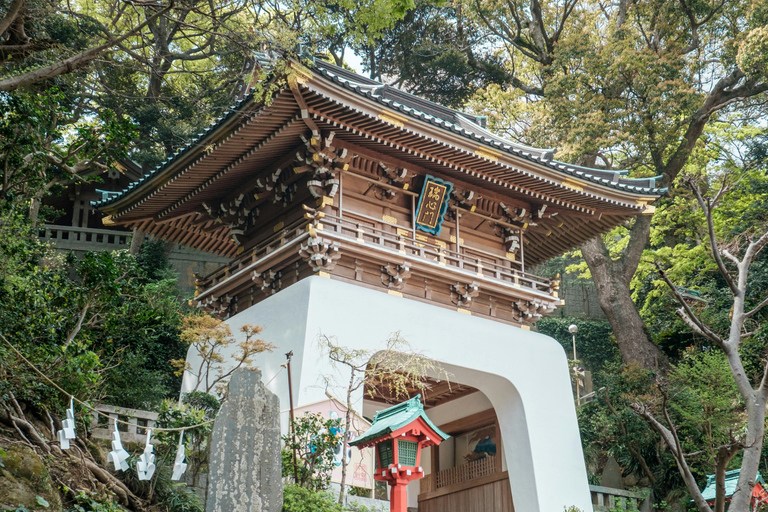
pixel 433 203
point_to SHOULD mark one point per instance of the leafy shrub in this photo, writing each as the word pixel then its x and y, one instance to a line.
pixel 315 442
pixel 175 415
pixel 299 499
pixel 92 502
pixel 359 491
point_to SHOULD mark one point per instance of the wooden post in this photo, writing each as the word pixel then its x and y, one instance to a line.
pixel 398 498
pixel 458 234
pixel 341 192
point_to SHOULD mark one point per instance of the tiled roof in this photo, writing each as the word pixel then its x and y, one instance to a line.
pixel 469 126
pixel 731 480
pixel 389 420
pixel 466 125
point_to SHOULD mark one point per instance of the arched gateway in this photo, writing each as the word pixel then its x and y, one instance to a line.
pixel 353 209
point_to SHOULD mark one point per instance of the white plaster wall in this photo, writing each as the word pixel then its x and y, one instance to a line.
pixel 459 408
pixel 523 374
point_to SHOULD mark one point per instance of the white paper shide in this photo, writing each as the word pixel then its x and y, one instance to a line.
pixel 145 467
pixel 179 467
pixel 67 432
pixel 118 456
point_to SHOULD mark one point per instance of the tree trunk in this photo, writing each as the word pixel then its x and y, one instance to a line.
pixel 630 331
pixel 136 240
pixel 345 438
pixel 612 280
pixel 34 209
pixel 751 461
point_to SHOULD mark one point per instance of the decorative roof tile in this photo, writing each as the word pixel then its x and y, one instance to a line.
pixel 731 481
pixel 390 420
pixel 466 125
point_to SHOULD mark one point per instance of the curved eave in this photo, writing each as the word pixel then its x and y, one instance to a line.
pixel 547 173
pixel 541 157
pixel 192 151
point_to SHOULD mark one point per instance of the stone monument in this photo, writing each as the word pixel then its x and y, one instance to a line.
pixel 245 463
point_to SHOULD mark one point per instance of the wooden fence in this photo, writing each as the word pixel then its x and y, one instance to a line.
pixel 459 474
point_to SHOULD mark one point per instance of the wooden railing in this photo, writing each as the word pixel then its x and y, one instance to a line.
pixel 510 271
pixel 272 243
pixel 86 239
pixel 607 499
pixel 604 499
pixel 135 432
pixel 409 244
pixel 459 474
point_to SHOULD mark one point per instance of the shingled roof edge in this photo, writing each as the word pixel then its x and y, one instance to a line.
pixel 495 142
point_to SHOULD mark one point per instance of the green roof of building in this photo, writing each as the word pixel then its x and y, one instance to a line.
pixel 389 420
pixel 731 480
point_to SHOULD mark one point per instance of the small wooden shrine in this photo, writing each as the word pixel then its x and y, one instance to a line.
pixel 759 492
pixel 341 176
pixel 399 434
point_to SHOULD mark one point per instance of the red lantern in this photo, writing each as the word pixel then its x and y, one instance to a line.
pixel 399 435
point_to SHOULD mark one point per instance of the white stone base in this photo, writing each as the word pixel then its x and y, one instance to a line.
pixel 524 374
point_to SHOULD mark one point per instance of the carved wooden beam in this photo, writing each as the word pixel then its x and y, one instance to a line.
pixel 319 253
pixel 463 293
pixel 394 276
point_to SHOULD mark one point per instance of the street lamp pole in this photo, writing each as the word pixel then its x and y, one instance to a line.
pixel 573 329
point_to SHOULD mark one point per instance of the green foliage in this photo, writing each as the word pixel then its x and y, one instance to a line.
pixel 93 502
pixel 153 260
pixel 95 325
pixel 202 401
pixel 315 441
pixel 702 402
pixel 195 408
pixel 300 499
pixel 359 491
pixel 171 496
pixel 435 38
pixel 705 403
pixel 595 345
pixel 46 140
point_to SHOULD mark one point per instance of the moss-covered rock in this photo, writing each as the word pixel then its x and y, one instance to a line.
pixel 25 480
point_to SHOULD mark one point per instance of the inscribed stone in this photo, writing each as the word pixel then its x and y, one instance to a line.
pixel 245 463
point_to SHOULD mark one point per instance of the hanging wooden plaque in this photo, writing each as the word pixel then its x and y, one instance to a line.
pixel 433 203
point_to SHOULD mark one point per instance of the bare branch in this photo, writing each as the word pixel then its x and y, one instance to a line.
pixel 753 249
pixel 730 256
pixel 682 465
pixel 687 314
pixel 707 207
pixel 72 63
pixel 10 15
pixel 763 387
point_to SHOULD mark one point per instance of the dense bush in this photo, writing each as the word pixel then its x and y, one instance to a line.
pixel 300 499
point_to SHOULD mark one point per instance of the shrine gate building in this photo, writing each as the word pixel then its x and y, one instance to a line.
pixel 354 210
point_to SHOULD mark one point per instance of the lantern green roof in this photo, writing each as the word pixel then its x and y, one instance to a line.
pixel 389 420
pixel 731 481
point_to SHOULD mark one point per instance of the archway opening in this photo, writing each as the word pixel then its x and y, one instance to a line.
pixel 468 465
